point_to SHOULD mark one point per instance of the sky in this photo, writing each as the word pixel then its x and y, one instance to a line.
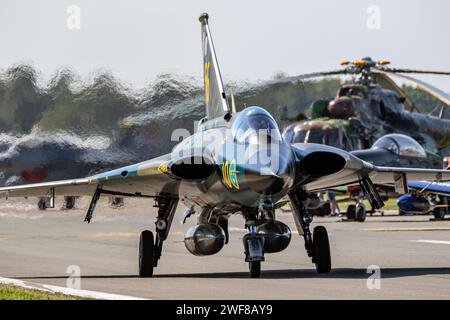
pixel 138 39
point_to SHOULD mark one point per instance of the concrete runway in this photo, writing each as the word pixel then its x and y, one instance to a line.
pixel 412 252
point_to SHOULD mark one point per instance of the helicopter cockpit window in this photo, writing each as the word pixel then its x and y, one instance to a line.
pixel 254 124
pixel 343 92
pixel 351 91
pixel 401 145
pixel 299 136
pixel 320 136
pixel 315 136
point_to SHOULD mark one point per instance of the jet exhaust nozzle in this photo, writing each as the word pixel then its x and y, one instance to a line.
pixel 204 239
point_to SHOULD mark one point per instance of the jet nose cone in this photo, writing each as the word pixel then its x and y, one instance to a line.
pixel 269 173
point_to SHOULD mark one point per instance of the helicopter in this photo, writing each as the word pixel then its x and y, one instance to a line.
pixel 371 107
pixel 379 105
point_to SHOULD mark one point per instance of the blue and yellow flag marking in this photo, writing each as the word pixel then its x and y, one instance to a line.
pixel 230 174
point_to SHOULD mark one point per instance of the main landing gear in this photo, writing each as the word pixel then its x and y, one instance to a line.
pixel 317 245
pixel 150 247
pixel 357 212
pixel 146 254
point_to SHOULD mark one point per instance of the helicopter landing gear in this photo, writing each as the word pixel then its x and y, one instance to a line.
pixel 317 245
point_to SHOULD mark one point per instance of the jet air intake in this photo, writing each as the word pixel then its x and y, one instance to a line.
pixel 192 168
pixel 323 163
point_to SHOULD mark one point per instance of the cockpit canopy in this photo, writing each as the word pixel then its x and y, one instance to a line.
pixel 254 122
pixel 401 145
pixel 352 91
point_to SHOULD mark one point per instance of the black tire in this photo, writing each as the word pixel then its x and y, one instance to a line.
pixel 322 256
pixel 255 269
pixel 69 202
pixel 146 253
pixel 117 202
pixel 351 212
pixel 360 212
pixel 42 205
pixel 439 213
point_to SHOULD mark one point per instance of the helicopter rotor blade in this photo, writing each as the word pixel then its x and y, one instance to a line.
pixel 385 81
pixel 313 75
pixel 396 70
pixel 433 91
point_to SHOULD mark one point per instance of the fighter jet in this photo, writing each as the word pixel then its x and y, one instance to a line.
pixel 236 163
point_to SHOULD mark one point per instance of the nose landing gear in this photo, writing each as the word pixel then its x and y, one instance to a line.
pixel 254 252
pixel 254 241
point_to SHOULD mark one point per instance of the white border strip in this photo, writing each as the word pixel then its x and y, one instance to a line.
pixel 67 291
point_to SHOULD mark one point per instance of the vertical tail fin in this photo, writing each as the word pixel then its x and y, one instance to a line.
pixel 215 98
pixel 233 103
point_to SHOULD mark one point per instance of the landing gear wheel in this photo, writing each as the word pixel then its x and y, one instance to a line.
pixel 42 204
pixel 255 269
pixel 351 212
pixel 69 202
pixel 322 257
pixel 360 212
pixel 439 213
pixel 146 253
